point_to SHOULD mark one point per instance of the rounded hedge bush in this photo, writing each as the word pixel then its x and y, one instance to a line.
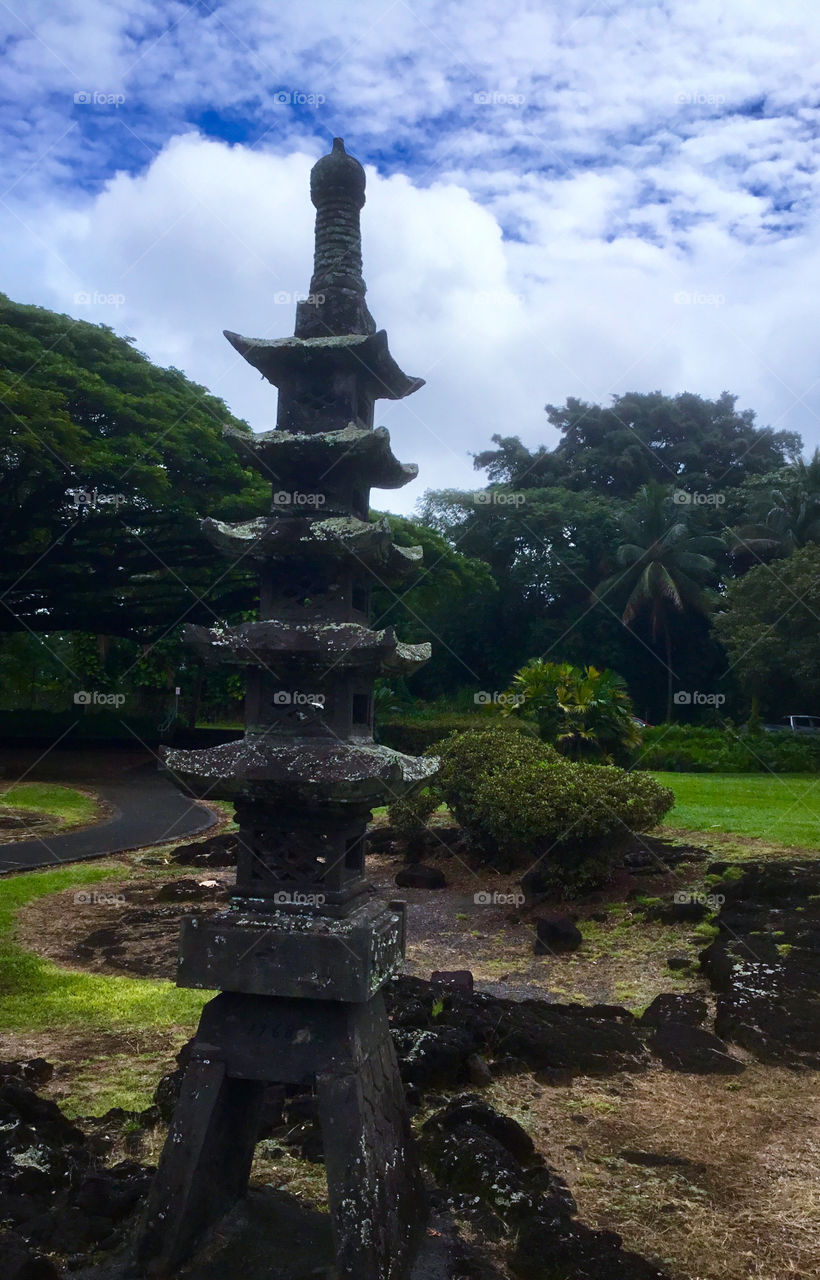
pixel 524 805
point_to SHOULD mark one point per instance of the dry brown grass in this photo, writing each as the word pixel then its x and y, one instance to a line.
pixel 748 1205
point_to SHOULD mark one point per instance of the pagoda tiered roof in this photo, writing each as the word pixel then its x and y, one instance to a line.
pixel 287 537
pixel 338 646
pixel 313 770
pixel 290 457
pixel 365 354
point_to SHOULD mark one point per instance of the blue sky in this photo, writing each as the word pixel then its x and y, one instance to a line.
pixel 563 198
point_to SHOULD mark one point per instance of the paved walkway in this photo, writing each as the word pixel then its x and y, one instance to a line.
pixel 148 808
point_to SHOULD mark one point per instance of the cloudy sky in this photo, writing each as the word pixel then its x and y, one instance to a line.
pixel 564 198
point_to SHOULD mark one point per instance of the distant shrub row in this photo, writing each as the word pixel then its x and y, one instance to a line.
pixel 690 749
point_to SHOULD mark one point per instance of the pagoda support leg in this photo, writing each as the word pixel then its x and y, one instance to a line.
pixel 205 1163
pixel 374 1187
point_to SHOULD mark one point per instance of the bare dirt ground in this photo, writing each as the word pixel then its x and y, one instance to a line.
pixel 714 1178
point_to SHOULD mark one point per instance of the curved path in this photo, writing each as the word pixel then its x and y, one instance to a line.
pixel 148 809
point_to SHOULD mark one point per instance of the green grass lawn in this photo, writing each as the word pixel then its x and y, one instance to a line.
pixel 37 994
pixel 781 808
pixel 69 805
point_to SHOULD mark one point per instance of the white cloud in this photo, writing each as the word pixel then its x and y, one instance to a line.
pixel 516 254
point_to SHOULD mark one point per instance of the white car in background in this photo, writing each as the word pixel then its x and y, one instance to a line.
pixel 795 724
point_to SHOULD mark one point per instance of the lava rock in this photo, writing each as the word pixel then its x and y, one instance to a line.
pixel 420 876
pixel 461 978
pixel 188 890
pixel 218 851
pixel 687 1007
pixel 556 934
pixel 469 1108
pixel 19 1262
pixel 560 1249
pixel 688 1048
pixel 435 1057
pixel 678 961
pixel 690 911
pixel 30 1071
pixel 556 1040
pixel 478 1070
pixel 765 962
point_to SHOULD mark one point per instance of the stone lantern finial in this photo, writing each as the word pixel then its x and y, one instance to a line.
pixel 336 304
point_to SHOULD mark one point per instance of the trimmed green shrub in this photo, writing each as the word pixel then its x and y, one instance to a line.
pixel 691 749
pixel 413 734
pixel 524 805
pixel 409 815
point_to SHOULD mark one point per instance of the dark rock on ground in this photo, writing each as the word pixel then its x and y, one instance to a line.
pixel 452 978
pixel 556 1040
pixel 687 1007
pixel 561 1249
pixel 678 960
pixel 54 1193
pixel 469 1108
pixel 687 1048
pixel 765 963
pixel 556 934
pixel 478 1071
pixel 30 1071
pixel 19 1262
pixel 189 890
pixel 218 851
pixel 419 876
pixel 690 911
pixel 651 852
pixel 492 1175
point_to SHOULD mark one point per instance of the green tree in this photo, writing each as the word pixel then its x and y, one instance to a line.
pixel 666 567
pixel 782 517
pixel 706 445
pixel 769 625
pixel 82 414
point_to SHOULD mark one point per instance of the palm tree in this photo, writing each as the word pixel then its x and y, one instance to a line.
pixel 583 711
pixel 665 566
pixel 790 517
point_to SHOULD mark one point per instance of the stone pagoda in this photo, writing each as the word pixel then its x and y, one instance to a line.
pixel 302 953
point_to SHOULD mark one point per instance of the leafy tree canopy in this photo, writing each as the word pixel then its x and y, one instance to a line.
pixel 769 628
pixel 706 445
pixel 106 463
